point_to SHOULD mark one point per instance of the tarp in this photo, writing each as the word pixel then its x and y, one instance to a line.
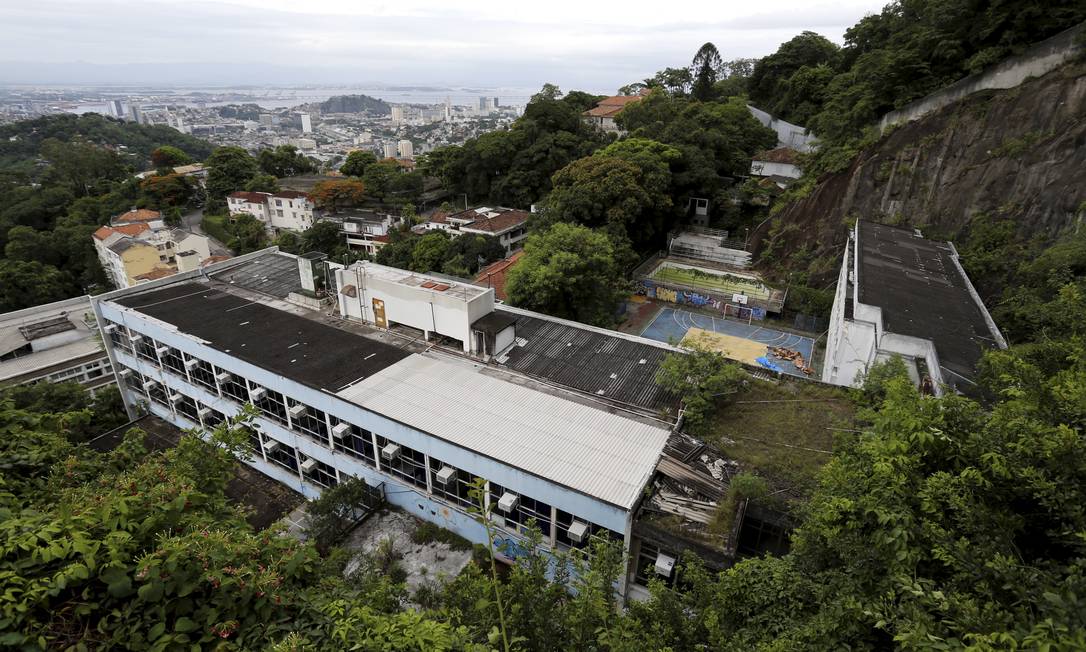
pixel 769 364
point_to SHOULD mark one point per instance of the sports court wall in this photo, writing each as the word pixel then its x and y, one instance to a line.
pixel 758 300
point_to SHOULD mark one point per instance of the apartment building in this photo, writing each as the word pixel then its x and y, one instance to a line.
pixel 137 247
pixel 359 395
pixel 367 231
pixel 56 342
pixel 287 210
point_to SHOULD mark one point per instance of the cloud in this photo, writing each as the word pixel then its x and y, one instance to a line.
pixel 596 45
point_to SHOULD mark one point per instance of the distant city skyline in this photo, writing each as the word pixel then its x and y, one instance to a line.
pixel 591 46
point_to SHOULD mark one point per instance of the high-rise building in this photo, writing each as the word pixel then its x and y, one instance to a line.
pixel 115 108
pixel 307 123
pixel 265 119
pixel 397 115
pixel 448 109
pixel 407 149
pixel 483 104
pixel 495 105
pixel 390 150
pixel 136 114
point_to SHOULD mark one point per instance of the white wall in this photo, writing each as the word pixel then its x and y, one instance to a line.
pixel 770 169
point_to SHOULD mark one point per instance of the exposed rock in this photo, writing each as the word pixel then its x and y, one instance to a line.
pixel 1020 153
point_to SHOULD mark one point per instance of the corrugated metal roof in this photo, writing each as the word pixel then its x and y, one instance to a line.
pixel 587 449
pixel 43 359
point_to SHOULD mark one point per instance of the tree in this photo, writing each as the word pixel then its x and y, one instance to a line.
pixel 324 236
pixel 229 169
pixel 168 157
pixel 700 378
pixel 334 194
pixel 569 271
pixel 357 162
pixel 379 177
pixel 27 244
pixel 600 191
pixel 30 283
pixel 284 161
pixel 247 234
pixel 705 67
pixel 430 252
pixel 775 83
pixel 165 191
pixel 84 168
pixel 263 183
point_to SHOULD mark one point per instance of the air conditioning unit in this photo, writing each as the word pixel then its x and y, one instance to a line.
pixel 204 412
pixel 341 430
pixel 149 385
pixel 126 373
pixel 390 452
pixel 110 329
pixel 508 502
pixel 176 398
pixel 445 475
pixel 578 532
pixel 223 377
pixel 135 337
pixel 664 565
pixel 309 465
pixel 162 350
pixel 191 363
pixel 257 393
pixel 296 411
pixel 271 446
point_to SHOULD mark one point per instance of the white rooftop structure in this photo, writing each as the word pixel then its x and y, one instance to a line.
pixel 56 342
pixel 590 450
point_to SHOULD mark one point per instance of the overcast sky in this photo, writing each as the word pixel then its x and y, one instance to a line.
pixel 575 43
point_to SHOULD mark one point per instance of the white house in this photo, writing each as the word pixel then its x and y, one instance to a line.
pixel 780 162
pixel 287 210
pixel 368 232
pixel 509 225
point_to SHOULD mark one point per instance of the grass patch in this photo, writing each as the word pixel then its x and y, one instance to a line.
pixel 215 226
pixel 781 437
pixel 428 532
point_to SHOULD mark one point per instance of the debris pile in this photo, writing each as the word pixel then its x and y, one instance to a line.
pixel 795 356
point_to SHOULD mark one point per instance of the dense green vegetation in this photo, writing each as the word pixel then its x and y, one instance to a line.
pixel 355 104
pixel 910 49
pixel 936 524
pixel 23 153
pixel 64 176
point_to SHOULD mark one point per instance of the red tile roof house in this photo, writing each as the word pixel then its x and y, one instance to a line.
pixel 495 274
pixel 603 114
pixel 509 225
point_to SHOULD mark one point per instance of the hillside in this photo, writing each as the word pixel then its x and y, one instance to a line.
pixel 355 104
pixel 20 143
pixel 1009 160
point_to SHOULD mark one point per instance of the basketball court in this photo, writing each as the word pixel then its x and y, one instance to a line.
pixel 738 339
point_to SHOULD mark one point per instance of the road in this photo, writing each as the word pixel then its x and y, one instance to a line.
pixel 191 222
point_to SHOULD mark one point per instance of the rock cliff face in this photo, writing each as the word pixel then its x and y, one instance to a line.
pixel 1018 154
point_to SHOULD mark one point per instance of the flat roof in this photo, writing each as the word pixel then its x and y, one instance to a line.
pixel 22 327
pixel 315 354
pixel 459 289
pixel 923 293
pixel 274 274
pixel 608 365
pixel 595 452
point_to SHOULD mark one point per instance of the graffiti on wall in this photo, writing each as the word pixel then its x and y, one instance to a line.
pixel 680 296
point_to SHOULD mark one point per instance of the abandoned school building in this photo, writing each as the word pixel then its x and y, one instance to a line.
pixel 420 385
pixel 900 294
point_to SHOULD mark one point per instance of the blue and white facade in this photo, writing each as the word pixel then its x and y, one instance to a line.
pixel 577 469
